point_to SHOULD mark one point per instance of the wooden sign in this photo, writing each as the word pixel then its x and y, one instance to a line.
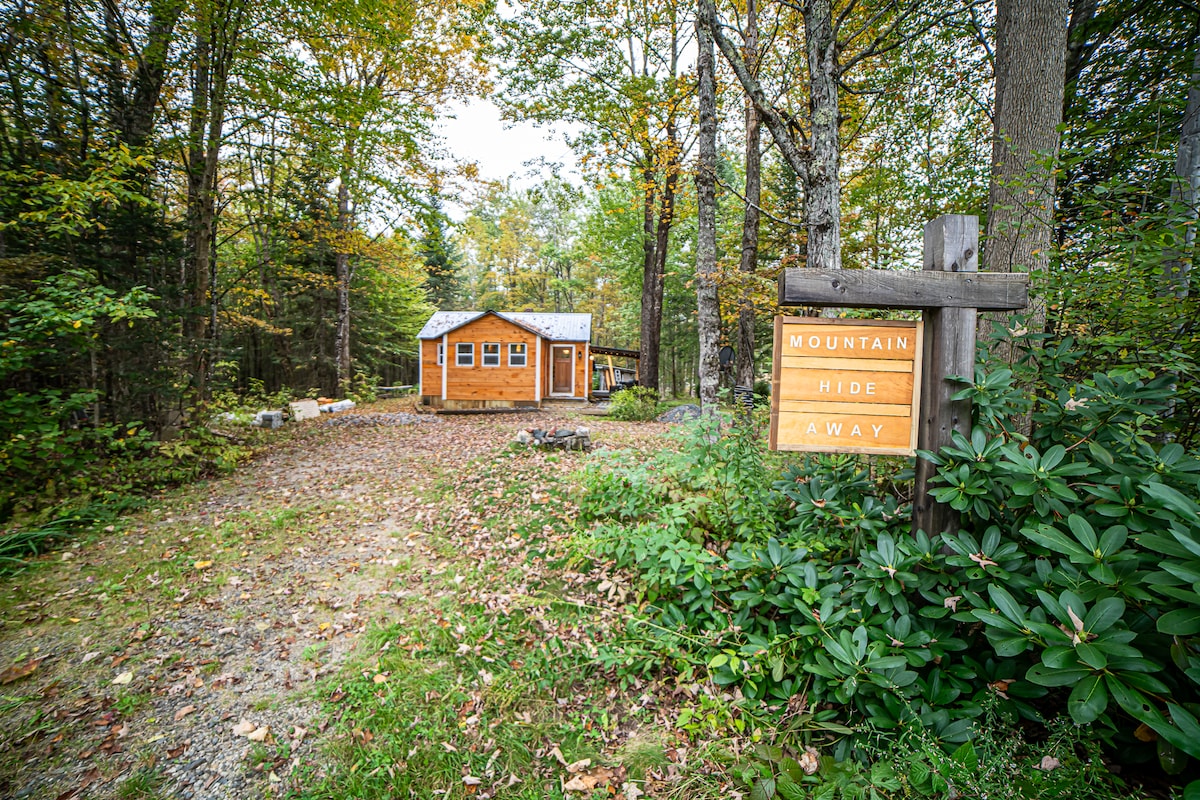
pixel 948 291
pixel 846 386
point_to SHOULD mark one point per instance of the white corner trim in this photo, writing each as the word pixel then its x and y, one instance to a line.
pixel 445 361
pixel 537 367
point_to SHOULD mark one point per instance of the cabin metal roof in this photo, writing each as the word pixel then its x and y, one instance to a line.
pixel 556 327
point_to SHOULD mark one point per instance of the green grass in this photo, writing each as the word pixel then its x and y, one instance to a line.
pixel 451 692
pixel 460 688
pixel 145 783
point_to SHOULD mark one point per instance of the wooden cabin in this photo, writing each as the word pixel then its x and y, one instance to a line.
pixel 497 359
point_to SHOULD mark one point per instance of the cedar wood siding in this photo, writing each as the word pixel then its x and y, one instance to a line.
pixel 504 383
pixel 431 371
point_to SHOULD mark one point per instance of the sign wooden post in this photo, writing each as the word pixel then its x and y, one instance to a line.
pixel 951 245
pixel 949 291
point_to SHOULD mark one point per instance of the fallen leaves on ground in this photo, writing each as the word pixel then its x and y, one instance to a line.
pixel 18 671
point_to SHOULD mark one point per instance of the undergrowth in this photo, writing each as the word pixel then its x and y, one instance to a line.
pixel 1069 595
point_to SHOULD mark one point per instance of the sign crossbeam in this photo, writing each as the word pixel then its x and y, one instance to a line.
pixel 908 289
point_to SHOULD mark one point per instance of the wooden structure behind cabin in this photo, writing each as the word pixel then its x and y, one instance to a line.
pixel 608 375
pixel 494 359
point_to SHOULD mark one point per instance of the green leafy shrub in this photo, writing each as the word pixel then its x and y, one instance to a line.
pixel 48 433
pixel 635 404
pixel 1072 588
pixel 998 762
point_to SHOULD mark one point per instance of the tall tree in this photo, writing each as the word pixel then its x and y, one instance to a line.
pixel 217 30
pixel 1185 189
pixel 376 75
pixel 811 142
pixel 440 256
pixel 750 218
pixel 1031 47
pixel 615 70
pixel 708 305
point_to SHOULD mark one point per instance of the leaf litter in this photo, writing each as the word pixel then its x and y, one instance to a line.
pixel 235 598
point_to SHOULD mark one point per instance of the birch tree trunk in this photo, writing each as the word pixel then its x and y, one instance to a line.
pixel 1031 47
pixel 709 312
pixel 749 260
pixel 817 165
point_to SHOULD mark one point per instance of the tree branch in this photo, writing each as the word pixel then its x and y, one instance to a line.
pixel 797 158
pixel 791 223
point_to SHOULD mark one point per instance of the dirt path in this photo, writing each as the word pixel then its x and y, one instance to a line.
pixel 159 652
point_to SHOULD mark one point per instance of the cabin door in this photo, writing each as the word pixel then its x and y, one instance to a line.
pixel 563 369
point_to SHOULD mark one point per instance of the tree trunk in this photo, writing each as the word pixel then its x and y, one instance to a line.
pixel 1031 42
pixel 344 275
pixel 822 187
pixel 216 45
pixel 651 322
pixel 1185 192
pixel 818 165
pixel 709 312
pixel 201 212
pixel 749 261
pixel 658 217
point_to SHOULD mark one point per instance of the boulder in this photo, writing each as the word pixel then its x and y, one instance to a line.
pixel 680 414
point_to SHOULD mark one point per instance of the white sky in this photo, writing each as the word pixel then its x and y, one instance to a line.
pixel 504 150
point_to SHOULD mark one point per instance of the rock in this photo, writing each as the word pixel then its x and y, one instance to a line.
pixel 340 405
pixel 524 437
pixel 268 419
pixel 680 414
pixel 582 431
pixel 561 432
pixel 305 409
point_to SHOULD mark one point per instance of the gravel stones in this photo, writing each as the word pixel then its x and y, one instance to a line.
pixel 369 420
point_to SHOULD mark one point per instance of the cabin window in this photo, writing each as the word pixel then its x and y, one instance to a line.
pixel 464 354
pixel 441 353
pixel 491 354
pixel 516 355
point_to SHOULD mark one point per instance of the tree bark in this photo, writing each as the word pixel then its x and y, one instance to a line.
pixel 658 210
pixel 218 32
pixel 1185 191
pixel 750 217
pixel 651 322
pixel 823 188
pixel 201 212
pixel 133 113
pixel 817 165
pixel 709 312
pixel 1031 45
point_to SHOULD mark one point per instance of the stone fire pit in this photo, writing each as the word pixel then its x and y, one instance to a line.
pixel 556 438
